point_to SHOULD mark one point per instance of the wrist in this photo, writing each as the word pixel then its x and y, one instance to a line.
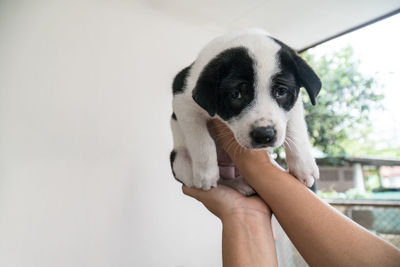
pixel 251 227
pixel 246 217
pixel 252 160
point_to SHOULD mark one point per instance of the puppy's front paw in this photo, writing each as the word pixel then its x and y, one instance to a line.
pixel 305 169
pixel 205 176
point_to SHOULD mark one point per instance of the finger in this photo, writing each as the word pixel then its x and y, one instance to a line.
pixel 224 137
pixel 205 196
pixel 193 192
pixel 188 191
pixel 211 129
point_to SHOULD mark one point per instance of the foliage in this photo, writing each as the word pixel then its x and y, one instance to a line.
pixel 372 181
pixel 352 193
pixel 341 116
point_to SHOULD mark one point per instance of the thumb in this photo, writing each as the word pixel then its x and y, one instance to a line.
pixel 224 137
pixel 192 192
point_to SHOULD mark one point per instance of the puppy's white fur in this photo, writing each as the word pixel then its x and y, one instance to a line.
pixel 196 161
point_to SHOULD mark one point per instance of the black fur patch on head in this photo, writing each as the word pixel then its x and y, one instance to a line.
pixel 285 89
pixel 179 81
pixel 173 116
pixel 293 65
pixel 226 85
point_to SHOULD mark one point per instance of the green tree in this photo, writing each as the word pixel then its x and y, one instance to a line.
pixel 341 116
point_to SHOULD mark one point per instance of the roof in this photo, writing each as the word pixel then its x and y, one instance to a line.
pixel 300 24
pixel 375 161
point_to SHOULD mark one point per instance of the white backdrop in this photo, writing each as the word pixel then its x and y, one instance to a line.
pixel 85 102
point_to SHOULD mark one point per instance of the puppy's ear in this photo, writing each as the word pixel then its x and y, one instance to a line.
pixel 180 81
pixel 304 74
pixel 205 92
pixel 307 78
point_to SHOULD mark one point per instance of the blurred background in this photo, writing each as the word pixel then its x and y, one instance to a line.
pixel 85 102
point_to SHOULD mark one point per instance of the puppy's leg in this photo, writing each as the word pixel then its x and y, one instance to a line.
pixel 181 163
pixel 298 148
pixel 201 149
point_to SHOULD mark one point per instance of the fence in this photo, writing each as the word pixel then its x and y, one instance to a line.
pixel 380 217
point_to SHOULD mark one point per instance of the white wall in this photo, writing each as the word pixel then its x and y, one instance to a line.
pixel 85 139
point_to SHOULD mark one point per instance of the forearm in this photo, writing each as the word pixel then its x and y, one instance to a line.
pixel 248 241
pixel 322 235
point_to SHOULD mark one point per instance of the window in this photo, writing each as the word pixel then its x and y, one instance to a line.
pixel 357 121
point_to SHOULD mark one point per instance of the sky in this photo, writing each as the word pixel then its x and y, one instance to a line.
pixel 377 46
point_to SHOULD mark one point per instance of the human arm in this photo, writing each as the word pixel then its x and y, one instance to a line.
pixel 323 236
pixel 246 221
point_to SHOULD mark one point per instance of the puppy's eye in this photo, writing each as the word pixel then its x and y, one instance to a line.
pixel 235 94
pixel 281 92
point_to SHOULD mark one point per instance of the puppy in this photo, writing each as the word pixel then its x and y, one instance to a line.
pixel 250 81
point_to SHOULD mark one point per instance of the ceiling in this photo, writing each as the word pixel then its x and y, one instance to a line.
pixel 298 23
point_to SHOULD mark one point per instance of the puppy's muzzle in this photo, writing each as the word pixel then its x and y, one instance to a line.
pixel 263 136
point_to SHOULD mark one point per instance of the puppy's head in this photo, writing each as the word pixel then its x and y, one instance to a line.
pixel 251 81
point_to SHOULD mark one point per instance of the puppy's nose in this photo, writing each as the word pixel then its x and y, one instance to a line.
pixel 263 135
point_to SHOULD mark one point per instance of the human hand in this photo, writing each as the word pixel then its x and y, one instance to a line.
pixel 247 238
pixel 226 203
pixel 223 201
pixel 225 139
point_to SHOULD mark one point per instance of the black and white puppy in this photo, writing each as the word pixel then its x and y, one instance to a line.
pixel 251 82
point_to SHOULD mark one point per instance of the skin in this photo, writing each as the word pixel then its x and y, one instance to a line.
pixel 246 222
pixel 322 235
